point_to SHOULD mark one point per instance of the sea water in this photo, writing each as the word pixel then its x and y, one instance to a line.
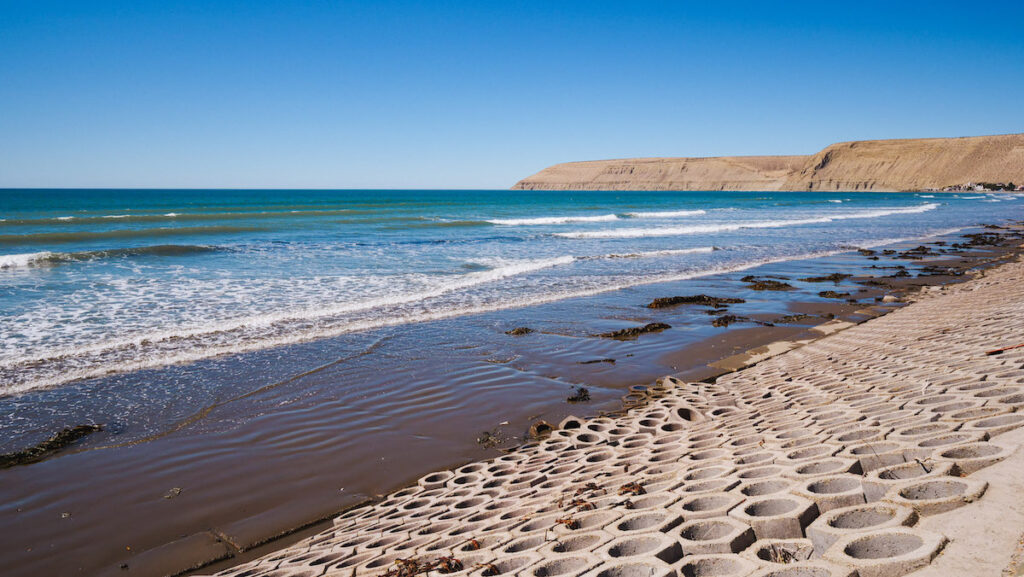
pixel 95 282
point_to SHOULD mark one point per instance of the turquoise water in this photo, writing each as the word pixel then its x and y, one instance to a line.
pixel 94 282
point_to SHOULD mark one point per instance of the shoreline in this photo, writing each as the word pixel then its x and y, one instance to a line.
pixel 610 389
pixel 359 539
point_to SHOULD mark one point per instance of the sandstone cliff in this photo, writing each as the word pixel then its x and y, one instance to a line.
pixel 868 165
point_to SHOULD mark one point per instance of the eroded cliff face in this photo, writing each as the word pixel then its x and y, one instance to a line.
pixel 869 165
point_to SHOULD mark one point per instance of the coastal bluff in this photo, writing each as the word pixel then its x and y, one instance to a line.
pixel 866 165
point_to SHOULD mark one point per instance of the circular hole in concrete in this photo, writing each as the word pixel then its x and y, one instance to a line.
pixel 944 440
pixel 706 473
pixel 641 522
pixel 508 565
pixel 588 438
pixel 862 518
pixel 706 531
pixel 935 400
pixel 770 508
pixel 525 544
pixel 832 486
pixel 924 430
pixel 971 451
pixel 710 485
pixel 635 546
pixel 902 471
pixel 576 543
pixel 627 570
pixel 809 453
pixel 1002 421
pixel 1012 400
pixel 714 567
pixel 708 503
pixel 997 392
pixel 709 454
pixel 761 488
pixel 976 413
pixel 821 467
pixel 760 472
pixel 561 567
pixel 884 546
pixel 874 448
pixel 938 489
pixel 857 435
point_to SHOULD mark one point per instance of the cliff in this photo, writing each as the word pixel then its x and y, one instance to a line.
pixel 867 165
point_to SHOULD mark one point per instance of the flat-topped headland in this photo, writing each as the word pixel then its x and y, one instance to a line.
pixel 867 165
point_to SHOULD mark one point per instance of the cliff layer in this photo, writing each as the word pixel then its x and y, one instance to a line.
pixel 867 165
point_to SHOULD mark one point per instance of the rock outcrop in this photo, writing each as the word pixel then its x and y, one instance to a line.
pixel 868 165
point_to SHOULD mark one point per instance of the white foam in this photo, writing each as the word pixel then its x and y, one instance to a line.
pixel 171 214
pixel 552 220
pixel 116 215
pixel 65 218
pixel 926 195
pixel 836 201
pixel 726 227
pixel 656 253
pixel 666 213
pixel 23 260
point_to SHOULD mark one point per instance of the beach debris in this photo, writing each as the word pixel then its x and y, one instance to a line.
pixel 488 569
pixel 702 300
pixel 410 567
pixel 490 439
pixel 866 252
pixel 58 441
pixel 472 545
pixel 519 331
pixel 568 523
pixel 833 295
pixel 174 492
pixel 592 488
pixel 540 430
pixel 595 361
pixel 578 504
pixel 580 395
pixel 632 488
pixel 1002 350
pixel 835 277
pixel 632 333
pixel 766 284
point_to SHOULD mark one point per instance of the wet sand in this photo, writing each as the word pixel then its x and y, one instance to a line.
pixel 269 450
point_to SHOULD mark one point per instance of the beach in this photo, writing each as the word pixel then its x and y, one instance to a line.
pixel 879 449
pixel 220 457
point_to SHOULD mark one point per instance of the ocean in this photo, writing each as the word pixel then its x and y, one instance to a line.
pixel 278 355
pixel 101 281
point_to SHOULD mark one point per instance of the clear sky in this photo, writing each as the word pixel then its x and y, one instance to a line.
pixel 477 94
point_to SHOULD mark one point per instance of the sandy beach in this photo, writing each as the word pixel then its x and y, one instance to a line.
pixel 878 449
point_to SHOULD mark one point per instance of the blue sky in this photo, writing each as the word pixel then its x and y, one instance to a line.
pixel 477 94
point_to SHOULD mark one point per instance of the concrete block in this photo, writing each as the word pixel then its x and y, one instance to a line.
pixel 932 496
pixel 715 566
pixel 707 505
pixel 972 457
pixel 717 535
pixel 887 552
pixel 776 516
pixel 657 545
pixel 833 491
